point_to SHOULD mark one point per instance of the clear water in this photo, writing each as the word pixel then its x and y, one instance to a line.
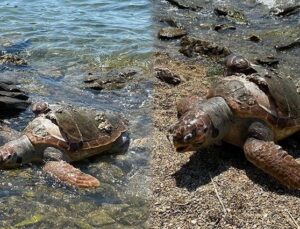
pixel 63 41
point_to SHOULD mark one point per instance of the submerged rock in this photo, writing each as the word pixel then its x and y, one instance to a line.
pixel 254 38
pixel 171 33
pixel 169 21
pixel 231 14
pixel 12 59
pixel 282 39
pixel 270 61
pixel 191 46
pixel 111 80
pixel 128 215
pixel 287 46
pixel 186 4
pixel 224 27
pixel 14 47
pixel 100 218
pixel 285 11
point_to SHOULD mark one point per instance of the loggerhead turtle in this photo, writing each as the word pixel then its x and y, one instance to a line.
pixel 61 134
pixel 253 112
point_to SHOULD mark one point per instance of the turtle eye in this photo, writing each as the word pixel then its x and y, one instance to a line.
pixel 205 129
pixel 188 137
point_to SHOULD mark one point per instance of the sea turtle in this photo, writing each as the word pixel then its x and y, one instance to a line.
pixel 60 134
pixel 253 112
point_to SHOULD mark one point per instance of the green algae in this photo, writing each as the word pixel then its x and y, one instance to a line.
pixel 33 220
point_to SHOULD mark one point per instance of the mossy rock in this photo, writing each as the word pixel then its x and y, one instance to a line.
pixel 231 14
pixel 129 215
pixel 100 218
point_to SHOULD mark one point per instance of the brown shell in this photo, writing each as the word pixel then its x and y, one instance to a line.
pixel 79 132
pixel 272 99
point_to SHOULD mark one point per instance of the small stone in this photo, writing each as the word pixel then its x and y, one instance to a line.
pixel 194 221
pixel 165 75
pixel 224 27
pixel 254 38
pixel 171 33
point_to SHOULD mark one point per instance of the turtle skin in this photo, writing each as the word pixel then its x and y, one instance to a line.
pixel 250 111
pixel 62 134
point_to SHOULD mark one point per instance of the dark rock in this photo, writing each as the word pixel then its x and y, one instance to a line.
pixel 231 14
pixel 12 99
pixel 291 45
pixel 111 80
pixel 270 61
pixel 254 38
pixel 167 76
pixel 186 4
pixel 191 46
pixel 169 21
pixel 285 11
pixel 171 33
pixel 224 27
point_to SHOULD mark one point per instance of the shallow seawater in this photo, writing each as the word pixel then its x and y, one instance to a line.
pixel 63 42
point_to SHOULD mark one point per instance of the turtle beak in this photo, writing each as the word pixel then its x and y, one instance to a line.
pixel 187 148
pixel 180 148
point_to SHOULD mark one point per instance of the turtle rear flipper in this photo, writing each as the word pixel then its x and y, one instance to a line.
pixel 272 159
pixel 68 174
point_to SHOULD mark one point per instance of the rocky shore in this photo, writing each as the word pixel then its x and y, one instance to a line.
pixel 217 187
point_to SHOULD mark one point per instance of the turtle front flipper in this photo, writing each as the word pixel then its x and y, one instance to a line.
pixel 272 159
pixel 68 174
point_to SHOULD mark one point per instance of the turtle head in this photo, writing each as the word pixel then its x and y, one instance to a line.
pixel 9 156
pixel 194 130
pixel 16 152
pixel 202 126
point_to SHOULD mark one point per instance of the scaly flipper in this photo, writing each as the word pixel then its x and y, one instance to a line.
pixel 68 174
pixel 272 159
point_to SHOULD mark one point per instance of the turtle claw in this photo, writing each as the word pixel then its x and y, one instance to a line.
pixel 272 159
pixel 68 174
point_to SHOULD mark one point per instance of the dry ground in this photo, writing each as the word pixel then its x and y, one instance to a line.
pixel 216 188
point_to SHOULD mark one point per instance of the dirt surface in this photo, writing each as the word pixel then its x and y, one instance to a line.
pixel 215 188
